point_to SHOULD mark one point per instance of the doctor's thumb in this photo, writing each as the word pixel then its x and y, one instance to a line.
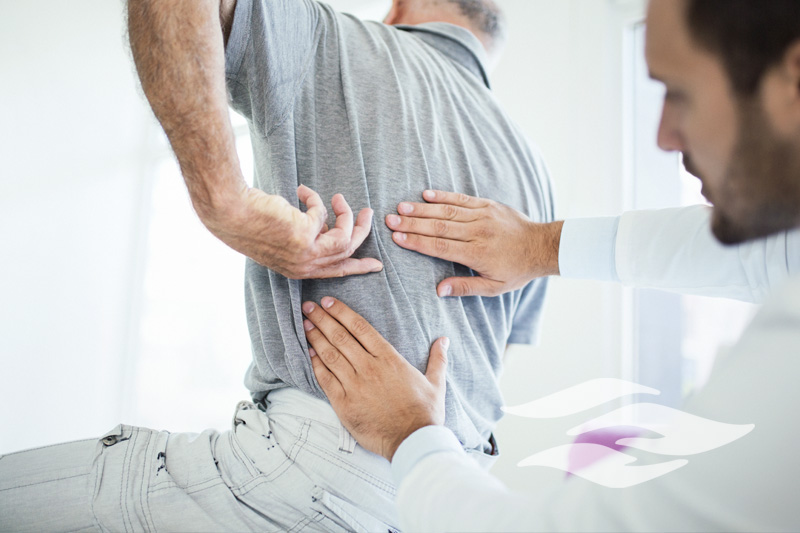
pixel 437 362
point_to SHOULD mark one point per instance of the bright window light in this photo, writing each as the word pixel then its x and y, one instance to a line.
pixel 675 338
pixel 193 345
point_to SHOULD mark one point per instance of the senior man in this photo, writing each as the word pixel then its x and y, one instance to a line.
pixel 732 74
pixel 335 105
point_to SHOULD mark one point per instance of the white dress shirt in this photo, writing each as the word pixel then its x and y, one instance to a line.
pixel 751 484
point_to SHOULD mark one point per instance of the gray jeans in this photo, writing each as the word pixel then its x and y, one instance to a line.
pixel 291 468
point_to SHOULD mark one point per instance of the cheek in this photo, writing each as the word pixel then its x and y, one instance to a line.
pixel 711 140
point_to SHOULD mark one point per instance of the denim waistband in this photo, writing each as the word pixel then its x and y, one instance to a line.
pixel 298 403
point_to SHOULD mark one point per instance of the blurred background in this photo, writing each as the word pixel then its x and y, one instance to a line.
pixel 116 305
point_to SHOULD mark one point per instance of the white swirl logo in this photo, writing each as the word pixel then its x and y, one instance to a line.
pixel 595 455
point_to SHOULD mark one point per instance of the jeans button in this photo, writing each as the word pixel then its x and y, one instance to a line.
pixel 109 440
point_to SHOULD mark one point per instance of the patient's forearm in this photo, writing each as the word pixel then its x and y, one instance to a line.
pixel 178 49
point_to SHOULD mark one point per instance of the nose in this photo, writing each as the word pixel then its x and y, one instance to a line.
pixel 669 138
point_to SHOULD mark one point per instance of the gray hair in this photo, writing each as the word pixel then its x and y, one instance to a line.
pixel 486 17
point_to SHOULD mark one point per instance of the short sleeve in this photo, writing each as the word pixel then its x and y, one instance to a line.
pixel 270 50
pixel 527 320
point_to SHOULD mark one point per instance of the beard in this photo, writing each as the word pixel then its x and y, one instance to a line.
pixel 760 191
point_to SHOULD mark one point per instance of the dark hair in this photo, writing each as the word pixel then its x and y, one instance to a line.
pixel 749 36
pixel 485 16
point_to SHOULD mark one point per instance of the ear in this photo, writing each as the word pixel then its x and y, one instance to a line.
pixel 781 91
pixel 394 13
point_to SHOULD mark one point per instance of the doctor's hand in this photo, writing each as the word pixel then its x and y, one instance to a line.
pixel 378 395
pixel 501 244
pixel 296 244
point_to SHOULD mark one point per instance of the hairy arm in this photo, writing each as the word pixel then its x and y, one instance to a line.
pixel 179 50
pixel 179 54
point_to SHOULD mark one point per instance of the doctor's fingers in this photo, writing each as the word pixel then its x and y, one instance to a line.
pixel 454 198
pixel 336 335
pixel 363 332
pixel 330 384
pixel 439 211
pixel 432 227
pixel 336 363
pixel 465 253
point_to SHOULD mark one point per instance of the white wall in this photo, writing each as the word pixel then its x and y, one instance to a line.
pixel 73 139
pixel 561 80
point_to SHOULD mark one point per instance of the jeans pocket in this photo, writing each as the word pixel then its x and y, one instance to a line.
pixel 348 516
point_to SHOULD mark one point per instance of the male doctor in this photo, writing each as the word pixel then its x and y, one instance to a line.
pixel 732 74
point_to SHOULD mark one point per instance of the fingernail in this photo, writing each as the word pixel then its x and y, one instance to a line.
pixel 405 208
pixel 445 290
pixel 308 325
pixel 429 195
pixel 378 268
pixel 393 220
pixel 445 344
pixel 400 236
pixel 308 307
pixel 327 302
pixel 312 352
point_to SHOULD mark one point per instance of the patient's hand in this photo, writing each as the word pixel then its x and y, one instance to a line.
pixel 502 245
pixel 379 397
pixel 298 245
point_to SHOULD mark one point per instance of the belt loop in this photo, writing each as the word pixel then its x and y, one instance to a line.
pixel 347 444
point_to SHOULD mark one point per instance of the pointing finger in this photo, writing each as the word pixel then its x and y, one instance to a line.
pixel 437 363
pixel 331 386
pixel 363 332
pixel 362 228
pixel 344 215
pixel 334 360
pixel 430 227
pixel 440 211
pixel 472 286
pixel 454 198
pixel 315 207
pixel 336 335
pixel 457 251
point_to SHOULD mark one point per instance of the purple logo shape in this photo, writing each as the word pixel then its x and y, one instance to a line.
pixel 597 453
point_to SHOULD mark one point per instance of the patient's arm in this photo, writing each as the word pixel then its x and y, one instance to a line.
pixel 178 48
pixel 496 241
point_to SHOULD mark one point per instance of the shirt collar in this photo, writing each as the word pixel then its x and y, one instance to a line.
pixel 457 43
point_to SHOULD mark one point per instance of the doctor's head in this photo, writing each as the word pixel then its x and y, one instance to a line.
pixel 731 69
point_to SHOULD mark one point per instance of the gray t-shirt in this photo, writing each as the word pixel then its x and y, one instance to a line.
pixel 380 113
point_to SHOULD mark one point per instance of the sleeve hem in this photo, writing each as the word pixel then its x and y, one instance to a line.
pixel 420 444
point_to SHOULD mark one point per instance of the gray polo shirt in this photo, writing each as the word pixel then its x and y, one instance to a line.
pixel 380 113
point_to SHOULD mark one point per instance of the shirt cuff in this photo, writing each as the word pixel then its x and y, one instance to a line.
pixel 420 444
pixel 587 249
